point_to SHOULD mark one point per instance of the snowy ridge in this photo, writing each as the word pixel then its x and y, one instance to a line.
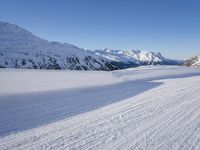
pixel 21 49
pixel 136 57
pixel 193 62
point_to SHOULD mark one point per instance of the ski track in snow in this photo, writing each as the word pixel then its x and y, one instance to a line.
pixel 148 108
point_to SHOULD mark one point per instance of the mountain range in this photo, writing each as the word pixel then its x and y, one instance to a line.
pixel 135 57
pixel 19 48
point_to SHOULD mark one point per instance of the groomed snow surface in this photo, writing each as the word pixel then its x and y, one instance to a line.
pixel 153 107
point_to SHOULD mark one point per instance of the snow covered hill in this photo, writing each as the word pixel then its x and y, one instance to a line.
pixel 136 57
pixel 193 62
pixel 149 107
pixel 21 49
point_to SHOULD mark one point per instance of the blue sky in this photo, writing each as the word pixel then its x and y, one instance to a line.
pixel 169 26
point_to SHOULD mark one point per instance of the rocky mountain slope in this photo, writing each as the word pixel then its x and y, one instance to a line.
pixel 193 62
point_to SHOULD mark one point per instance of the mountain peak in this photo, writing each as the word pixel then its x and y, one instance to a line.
pixel 9 30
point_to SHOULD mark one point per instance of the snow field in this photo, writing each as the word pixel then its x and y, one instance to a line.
pixel 142 108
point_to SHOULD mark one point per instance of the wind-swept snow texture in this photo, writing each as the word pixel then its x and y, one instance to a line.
pixel 150 107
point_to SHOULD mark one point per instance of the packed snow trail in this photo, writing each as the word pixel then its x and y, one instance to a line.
pixel 136 114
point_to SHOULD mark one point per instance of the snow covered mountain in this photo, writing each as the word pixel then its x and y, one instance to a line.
pixel 135 57
pixel 193 62
pixel 21 49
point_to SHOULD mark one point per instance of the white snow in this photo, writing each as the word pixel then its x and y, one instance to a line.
pixel 152 107
pixel 15 81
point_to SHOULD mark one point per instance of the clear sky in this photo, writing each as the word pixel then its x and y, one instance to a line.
pixel 169 26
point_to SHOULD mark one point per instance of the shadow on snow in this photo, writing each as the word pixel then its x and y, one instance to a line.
pixel 25 111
